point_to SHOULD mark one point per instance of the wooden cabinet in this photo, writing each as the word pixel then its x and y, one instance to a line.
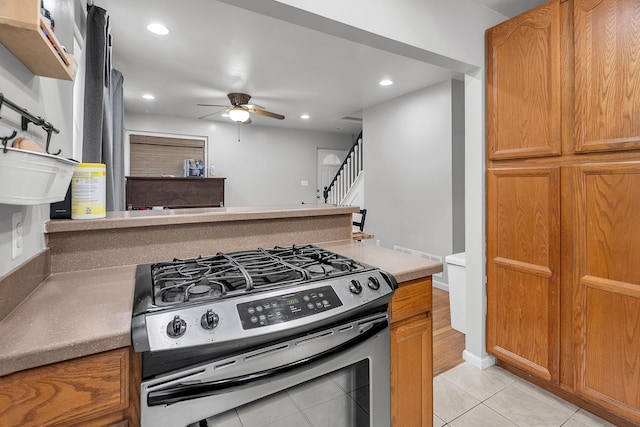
pixel 523 253
pixel 412 355
pixel 606 70
pixel 607 285
pixel 89 391
pixel 523 197
pixel 563 210
pixel 523 85
pixel 26 34
pixel 146 192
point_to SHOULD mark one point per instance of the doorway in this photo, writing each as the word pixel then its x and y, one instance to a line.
pixel 328 163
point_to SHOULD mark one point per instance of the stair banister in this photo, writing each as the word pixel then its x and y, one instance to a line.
pixel 346 175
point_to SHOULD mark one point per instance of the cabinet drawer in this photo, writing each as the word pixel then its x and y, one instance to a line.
pixel 411 298
pixel 66 392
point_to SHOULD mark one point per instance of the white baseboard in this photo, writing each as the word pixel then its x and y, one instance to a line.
pixel 440 285
pixel 481 363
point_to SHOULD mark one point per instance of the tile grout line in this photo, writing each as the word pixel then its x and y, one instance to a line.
pixel 482 402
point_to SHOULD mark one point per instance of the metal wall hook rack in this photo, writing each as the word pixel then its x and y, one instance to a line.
pixel 5 140
pixel 27 118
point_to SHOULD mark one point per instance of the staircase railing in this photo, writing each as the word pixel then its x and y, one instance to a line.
pixel 347 174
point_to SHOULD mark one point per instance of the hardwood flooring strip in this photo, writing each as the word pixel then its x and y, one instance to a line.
pixel 448 343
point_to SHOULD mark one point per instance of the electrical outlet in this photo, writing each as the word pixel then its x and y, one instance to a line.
pixel 16 235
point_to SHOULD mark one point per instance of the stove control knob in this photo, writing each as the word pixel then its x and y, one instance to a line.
pixel 373 283
pixel 177 327
pixel 355 287
pixel 209 320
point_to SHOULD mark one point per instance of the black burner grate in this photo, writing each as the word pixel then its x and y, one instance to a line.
pixel 211 277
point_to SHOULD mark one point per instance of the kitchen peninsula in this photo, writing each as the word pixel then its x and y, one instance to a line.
pixel 78 316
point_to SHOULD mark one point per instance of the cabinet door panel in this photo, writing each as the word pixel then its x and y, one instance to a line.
pixel 606 74
pixel 610 369
pixel 608 285
pixel 523 85
pixel 66 392
pixel 412 372
pixel 523 250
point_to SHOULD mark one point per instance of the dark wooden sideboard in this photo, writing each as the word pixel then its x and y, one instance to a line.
pixel 148 191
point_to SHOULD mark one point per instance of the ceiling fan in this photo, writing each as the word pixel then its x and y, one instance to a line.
pixel 240 109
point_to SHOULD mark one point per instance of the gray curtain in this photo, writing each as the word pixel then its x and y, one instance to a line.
pixel 103 129
pixel 117 101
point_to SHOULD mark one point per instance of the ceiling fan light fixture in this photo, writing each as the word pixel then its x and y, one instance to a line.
pixel 239 115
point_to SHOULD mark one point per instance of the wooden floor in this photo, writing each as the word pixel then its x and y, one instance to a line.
pixel 448 343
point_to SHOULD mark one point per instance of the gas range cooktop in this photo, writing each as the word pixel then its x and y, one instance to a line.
pixel 208 278
pixel 250 296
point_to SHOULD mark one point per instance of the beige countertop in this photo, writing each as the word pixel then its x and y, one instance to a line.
pixel 79 313
pixel 69 315
pixel 402 266
pixel 149 218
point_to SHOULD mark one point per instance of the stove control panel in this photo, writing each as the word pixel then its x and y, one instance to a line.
pixel 287 307
pixel 262 313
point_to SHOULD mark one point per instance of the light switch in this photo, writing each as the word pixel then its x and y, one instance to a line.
pixel 304 183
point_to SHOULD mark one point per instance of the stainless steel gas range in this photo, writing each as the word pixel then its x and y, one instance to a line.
pixel 222 337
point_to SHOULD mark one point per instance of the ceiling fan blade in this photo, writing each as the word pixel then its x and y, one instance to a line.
pixel 213 105
pixel 209 114
pixel 252 106
pixel 266 113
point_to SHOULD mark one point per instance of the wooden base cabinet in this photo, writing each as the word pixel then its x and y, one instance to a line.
pixel 523 256
pixel 607 285
pixel 412 355
pixel 90 391
pixel 563 201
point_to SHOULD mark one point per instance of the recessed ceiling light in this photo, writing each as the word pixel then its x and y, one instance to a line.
pixel 386 82
pixel 157 28
pixel 148 96
pixel 304 116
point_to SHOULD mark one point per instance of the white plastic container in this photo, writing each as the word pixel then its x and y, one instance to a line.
pixel 456 266
pixel 31 178
pixel 89 191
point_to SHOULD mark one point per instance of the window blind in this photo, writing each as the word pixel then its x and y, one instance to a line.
pixel 158 156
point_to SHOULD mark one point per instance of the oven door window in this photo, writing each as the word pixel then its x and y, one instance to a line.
pixel 339 399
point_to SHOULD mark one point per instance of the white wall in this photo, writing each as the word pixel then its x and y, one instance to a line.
pixel 475 237
pixel 47 98
pixel 266 167
pixel 447 33
pixel 458 166
pixel 408 161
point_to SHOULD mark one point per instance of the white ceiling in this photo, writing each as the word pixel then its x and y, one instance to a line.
pixel 510 8
pixel 215 48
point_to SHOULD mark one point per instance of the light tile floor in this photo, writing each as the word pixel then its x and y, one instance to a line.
pixel 466 396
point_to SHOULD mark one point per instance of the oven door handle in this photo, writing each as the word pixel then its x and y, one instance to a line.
pixel 187 390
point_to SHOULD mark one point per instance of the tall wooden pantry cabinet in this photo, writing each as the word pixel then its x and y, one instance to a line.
pixel 563 201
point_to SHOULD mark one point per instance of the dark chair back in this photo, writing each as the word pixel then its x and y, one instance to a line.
pixel 360 223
